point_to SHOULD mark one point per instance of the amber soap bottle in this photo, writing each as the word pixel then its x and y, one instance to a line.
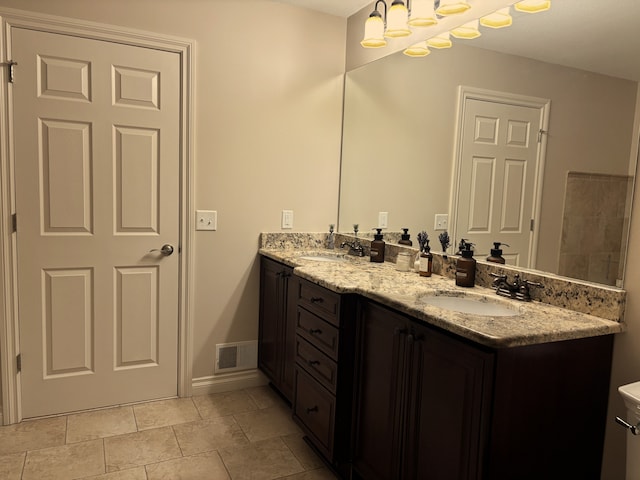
pixel 466 267
pixel 377 247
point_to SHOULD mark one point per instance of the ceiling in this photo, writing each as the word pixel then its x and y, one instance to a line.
pixel 576 33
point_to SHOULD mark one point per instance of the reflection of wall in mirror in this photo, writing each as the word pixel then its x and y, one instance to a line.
pixel 594 223
pixel 399 131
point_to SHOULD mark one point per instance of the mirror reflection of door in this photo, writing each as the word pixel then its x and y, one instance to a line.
pixel 499 161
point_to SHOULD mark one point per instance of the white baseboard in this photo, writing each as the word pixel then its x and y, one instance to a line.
pixel 228 382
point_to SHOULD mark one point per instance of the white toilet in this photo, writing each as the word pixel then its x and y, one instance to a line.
pixel 631 395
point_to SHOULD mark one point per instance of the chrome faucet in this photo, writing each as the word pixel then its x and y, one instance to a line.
pixel 355 247
pixel 518 289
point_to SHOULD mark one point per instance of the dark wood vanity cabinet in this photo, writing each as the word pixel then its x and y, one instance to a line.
pixel 422 400
pixel 276 334
pixel 429 404
pixel 324 354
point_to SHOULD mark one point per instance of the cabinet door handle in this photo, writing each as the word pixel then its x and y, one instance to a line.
pixel 313 362
pixel 314 331
pixel 312 409
pixel 399 331
pixel 317 299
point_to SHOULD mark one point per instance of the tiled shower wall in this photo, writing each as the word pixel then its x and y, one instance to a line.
pixel 595 222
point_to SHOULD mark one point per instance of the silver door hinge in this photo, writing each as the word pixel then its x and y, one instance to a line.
pixel 9 64
pixel 540 133
pixel 14 223
pixel 532 224
pixel 19 363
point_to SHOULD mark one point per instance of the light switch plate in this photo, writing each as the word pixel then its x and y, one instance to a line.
pixel 442 221
pixel 206 220
pixel 287 218
pixel 383 219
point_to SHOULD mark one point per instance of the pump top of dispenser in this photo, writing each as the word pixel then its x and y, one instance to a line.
pixel 378 234
pixel 496 248
pixel 466 252
pixel 405 238
pixel 496 253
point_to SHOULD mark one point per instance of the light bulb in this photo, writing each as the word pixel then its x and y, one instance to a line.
pixel 498 19
pixel 468 31
pixel 374 31
pixel 452 7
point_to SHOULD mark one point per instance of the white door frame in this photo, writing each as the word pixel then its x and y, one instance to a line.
pixel 9 320
pixel 472 93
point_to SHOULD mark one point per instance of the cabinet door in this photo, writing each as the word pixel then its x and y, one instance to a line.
pixel 449 396
pixel 270 314
pixel 290 287
pixel 378 412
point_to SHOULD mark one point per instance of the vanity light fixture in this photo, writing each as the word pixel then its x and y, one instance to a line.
pixel 442 40
pixel 420 49
pixel 532 6
pixel 395 21
pixel 422 13
pixel 468 31
pixel 374 31
pixel 499 19
pixel 452 7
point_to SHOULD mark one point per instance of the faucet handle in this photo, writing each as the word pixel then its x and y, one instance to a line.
pixel 529 283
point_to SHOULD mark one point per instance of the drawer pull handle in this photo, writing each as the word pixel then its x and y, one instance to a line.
pixel 313 362
pixel 314 331
pixel 317 299
pixel 312 409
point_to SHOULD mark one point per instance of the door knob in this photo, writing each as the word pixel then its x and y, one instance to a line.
pixel 166 250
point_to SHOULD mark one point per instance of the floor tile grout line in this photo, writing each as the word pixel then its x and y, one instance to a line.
pixel 24 464
pixel 104 456
pixel 226 469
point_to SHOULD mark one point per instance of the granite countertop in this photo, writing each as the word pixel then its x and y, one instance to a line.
pixel 405 291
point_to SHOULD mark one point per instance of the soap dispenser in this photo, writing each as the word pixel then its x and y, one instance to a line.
pixel 426 261
pixel 404 238
pixel 466 267
pixel 377 247
pixel 496 253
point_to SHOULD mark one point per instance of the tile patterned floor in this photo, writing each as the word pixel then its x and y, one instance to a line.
pixel 246 434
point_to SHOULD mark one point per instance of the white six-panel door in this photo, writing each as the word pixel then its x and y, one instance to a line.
pixel 97 152
pixel 497 177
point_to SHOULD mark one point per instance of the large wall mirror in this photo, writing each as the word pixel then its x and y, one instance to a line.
pixel 401 139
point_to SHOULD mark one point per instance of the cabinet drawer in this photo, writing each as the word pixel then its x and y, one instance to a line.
pixel 315 409
pixel 317 332
pixel 317 364
pixel 321 301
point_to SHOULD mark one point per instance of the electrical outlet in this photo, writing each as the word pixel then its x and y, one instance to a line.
pixel 442 221
pixel 206 220
pixel 287 218
pixel 383 219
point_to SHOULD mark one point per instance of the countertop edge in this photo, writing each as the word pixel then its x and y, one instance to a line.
pixel 570 325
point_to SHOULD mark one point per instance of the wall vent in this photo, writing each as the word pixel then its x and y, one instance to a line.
pixel 232 357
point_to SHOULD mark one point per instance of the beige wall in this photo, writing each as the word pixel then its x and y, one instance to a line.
pixel 626 352
pixel 267 116
pixel 268 127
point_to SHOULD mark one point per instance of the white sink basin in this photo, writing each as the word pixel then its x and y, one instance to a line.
pixel 477 305
pixel 322 258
